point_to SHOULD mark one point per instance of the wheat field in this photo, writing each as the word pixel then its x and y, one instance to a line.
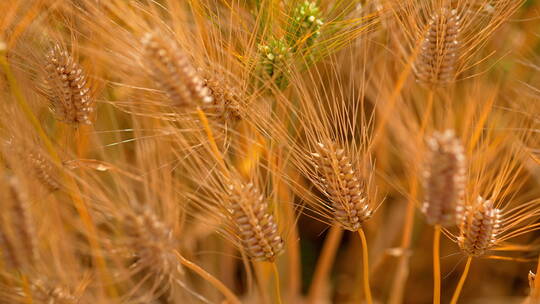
pixel 269 151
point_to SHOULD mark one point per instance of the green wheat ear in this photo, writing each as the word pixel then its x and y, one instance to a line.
pixel 273 60
pixel 304 25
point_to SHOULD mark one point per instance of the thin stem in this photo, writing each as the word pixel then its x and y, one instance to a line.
pixel 26 289
pixel 365 266
pixel 455 297
pixel 261 274
pixel 386 109
pixel 229 295
pixel 21 100
pixel 436 265
pixel 536 291
pixel 402 272
pixel 211 139
pixel 277 282
pixel 324 263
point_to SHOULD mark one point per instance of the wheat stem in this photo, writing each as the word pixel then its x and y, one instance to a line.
pixel 536 291
pixel 436 265
pixel 211 139
pixel 387 109
pixel 365 266
pixel 402 272
pixel 229 295
pixel 25 107
pixel 26 289
pixel 455 297
pixel 325 262
pixel 277 282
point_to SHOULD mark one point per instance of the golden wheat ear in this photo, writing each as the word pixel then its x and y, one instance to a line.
pixel 29 157
pixel 255 225
pixel 173 72
pixel 480 227
pixel 436 63
pixel 17 234
pixel 67 88
pixel 153 243
pixel 444 179
pixel 45 292
pixel 226 104
pixel 342 185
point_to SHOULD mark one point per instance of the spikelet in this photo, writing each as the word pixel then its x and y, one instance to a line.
pixel 226 99
pixel 152 243
pixel 66 86
pixel 26 155
pixel 43 170
pixel 480 227
pixel 437 60
pixel 255 225
pixel 173 72
pixel 342 185
pixel 274 58
pixel 444 179
pixel 42 292
pixel 305 24
pixel 531 277
pixel 17 234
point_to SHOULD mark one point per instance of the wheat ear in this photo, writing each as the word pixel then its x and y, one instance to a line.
pixel 479 228
pixel 17 234
pixel 437 60
pixel 255 225
pixel 173 72
pixel 342 184
pixel 444 179
pixel 67 88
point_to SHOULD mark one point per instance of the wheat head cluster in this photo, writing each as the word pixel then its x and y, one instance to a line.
pixel 269 151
